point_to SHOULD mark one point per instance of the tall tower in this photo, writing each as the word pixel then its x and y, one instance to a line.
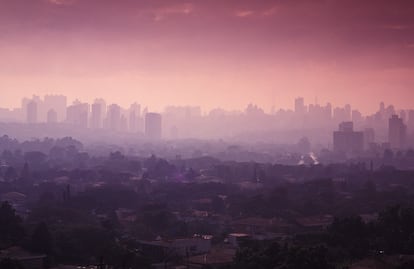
pixel 52 116
pixel 96 116
pixel 114 117
pixel 153 126
pixel 300 108
pixel 134 117
pixel 31 111
pixel 397 132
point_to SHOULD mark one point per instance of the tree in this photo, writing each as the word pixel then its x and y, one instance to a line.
pixel 351 234
pixel 25 174
pixel 306 258
pixel 10 174
pixel 396 228
pixel 41 241
pixel 8 263
pixel 11 230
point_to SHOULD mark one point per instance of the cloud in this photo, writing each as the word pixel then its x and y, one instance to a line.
pixel 61 2
pixel 270 12
pixel 161 13
pixel 258 13
pixel 398 27
pixel 244 13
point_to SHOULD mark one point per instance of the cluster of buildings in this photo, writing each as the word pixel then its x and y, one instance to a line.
pixel 54 109
pixel 348 141
pixel 388 127
pixel 385 129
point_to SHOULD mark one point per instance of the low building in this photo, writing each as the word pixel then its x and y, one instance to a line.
pixel 162 250
pixel 217 258
pixel 24 258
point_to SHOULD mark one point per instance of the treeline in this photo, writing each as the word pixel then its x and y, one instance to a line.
pixel 345 241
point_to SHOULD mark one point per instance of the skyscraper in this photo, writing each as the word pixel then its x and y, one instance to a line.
pixel 77 114
pixel 410 119
pixel 96 116
pixel 114 117
pixel 153 125
pixel 52 116
pixel 346 140
pixel 369 136
pixel 31 112
pixel 134 117
pixel 397 132
pixel 300 108
pixel 58 103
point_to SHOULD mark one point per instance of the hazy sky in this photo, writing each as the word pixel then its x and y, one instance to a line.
pixel 213 53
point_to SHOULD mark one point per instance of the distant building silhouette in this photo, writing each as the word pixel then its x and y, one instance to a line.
pixel 58 103
pixel 153 125
pixel 96 116
pixel 410 119
pixel 52 116
pixel 346 140
pixel 342 114
pixel 397 132
pixel 134 117
pixel 31 112
pixel 300 108
pixel 356 116
pixel 123 124
pixel 369 137
pixel 114 117
pixel 77 114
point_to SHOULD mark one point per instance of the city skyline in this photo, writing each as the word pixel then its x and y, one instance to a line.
pixel 388 127
pixel 213 54
pixel 204 110
pixel 299 105
pixel 206 134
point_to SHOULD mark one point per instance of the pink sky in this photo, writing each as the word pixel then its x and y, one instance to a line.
pixel 213 53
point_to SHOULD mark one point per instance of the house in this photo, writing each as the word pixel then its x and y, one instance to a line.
pixel 24 258
pixel 216 258
pixel 164 250
pixel 315 222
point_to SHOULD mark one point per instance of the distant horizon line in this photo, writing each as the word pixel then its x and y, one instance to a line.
pixel 205 110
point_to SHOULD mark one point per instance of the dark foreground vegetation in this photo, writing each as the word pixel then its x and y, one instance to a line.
pixel 63 207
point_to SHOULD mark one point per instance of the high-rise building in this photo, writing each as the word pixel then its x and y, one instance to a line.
pixel 369 137
pixel 341 114
pixel 134 117
pixel 346 140
pixel 77 114
pixel 58 103
pixel 357 116
pixel 52 116
pixel 410 122
pixel 114 117
pixel 397 132
pixel 31 112
pixel 153 125
pixel 123 124
pixel 96 116
pixel 300 108
pixel 348 112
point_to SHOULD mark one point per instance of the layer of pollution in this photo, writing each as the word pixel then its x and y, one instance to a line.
pixel 219 134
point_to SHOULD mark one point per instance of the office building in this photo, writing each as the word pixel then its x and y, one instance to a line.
pixel 153 125
pixel 52 116
pixel 77 114
pixel 346 140
pixel 96 116
pixel 58 103
pixel 31 112
pixel 114 117
pixel 397 132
